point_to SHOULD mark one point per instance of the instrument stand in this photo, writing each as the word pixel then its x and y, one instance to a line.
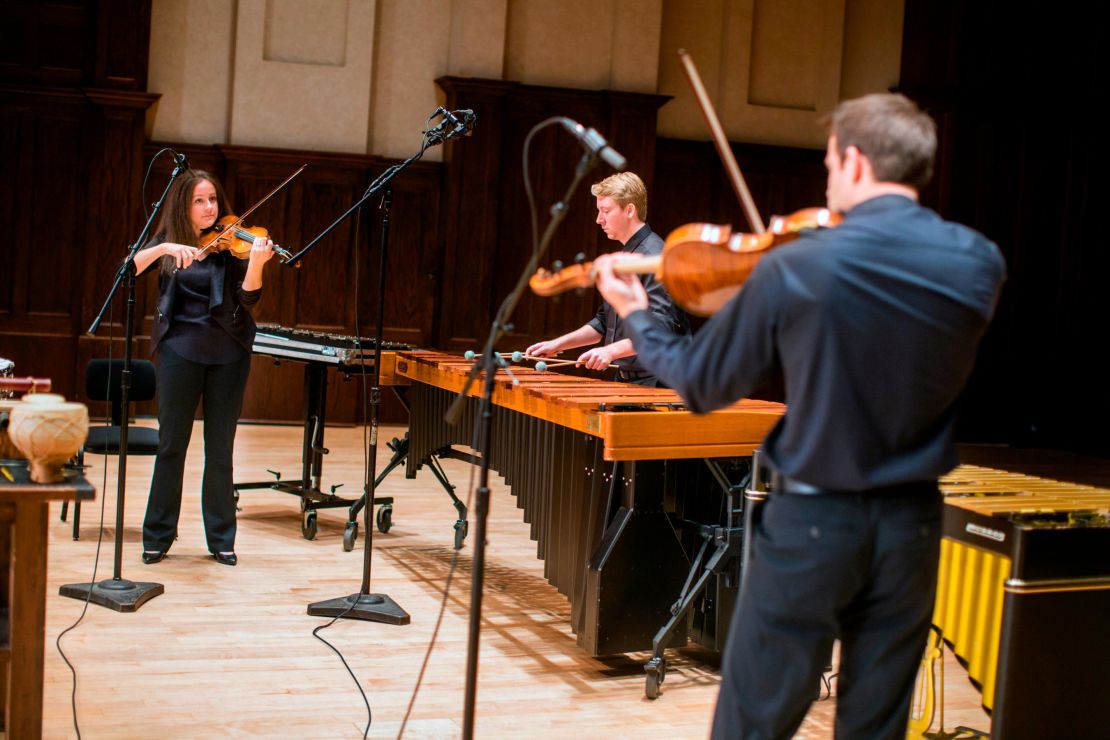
pixel 384 519
pixel 726 539
pixel 365 605
pixel 488 362
pixel 312 461
pixel 118 593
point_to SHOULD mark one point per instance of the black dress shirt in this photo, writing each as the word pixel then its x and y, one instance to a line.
pixel 874 326
pixel 609 324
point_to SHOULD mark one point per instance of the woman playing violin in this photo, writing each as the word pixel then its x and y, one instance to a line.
pixel 202 337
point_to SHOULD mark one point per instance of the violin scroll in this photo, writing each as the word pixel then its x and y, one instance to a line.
pixel 547 283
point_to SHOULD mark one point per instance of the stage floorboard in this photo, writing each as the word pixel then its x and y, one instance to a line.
pixel 229 652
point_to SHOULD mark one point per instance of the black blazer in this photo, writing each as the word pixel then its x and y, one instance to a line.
pixel 230 306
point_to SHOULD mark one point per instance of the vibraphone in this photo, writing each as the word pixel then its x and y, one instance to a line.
pixel 319 351
pixel 605 532
pixel 1023 599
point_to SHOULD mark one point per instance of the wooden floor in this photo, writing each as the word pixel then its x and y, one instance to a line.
pixel 228 652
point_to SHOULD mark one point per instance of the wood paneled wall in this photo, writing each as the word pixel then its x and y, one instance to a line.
pixel 72 105
pixel 488 232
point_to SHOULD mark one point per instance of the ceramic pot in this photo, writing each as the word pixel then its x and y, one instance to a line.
pixel 43 398
pixel 48 434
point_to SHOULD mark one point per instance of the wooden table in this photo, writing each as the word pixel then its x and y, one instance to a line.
pixel 24 510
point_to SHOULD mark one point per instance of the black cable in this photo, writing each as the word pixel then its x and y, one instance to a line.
pixel 446 592
pixel 527 180
pixel 425 143
pixel 149 167
pixel 365 487
pixel 100 536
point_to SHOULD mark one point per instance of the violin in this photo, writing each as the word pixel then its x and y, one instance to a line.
pixel 702 265
pixel 229 235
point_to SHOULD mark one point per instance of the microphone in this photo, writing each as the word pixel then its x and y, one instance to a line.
pixel 180 160
pixel 469 119
pixel 595 143
pixel 465 126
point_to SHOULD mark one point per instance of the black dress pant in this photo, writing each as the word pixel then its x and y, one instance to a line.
pixel 181 384
pixel 861 568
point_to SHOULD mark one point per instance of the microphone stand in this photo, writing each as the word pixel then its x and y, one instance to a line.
pixel 488 362
pixel 118 593
pixel 365 605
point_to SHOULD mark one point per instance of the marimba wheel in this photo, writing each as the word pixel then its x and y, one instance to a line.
pixel 656 673
pixel 350 536
pixel 308 524
pixel 384 518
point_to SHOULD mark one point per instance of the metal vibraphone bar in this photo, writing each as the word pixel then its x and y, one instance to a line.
pixel 609 528
pixel 1023 599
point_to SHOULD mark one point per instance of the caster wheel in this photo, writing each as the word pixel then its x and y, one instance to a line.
pixel 656 670
pixel 384 518
pixel 350 536
pixel 651 686
pixel 462 526
pixel 308 524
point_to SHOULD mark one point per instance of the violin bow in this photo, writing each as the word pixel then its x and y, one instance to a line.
pixel 252 209
pixel 723 148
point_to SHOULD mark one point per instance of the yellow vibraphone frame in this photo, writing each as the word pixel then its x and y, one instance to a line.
pixel 1023 598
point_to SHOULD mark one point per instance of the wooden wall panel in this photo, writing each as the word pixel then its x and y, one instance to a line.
pixel 488 226
pixel 45 356
pixel 73 158
pixel 78 43
pixel 122 44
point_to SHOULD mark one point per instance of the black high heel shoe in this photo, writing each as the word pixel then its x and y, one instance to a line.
pixel 225 558
pixel 153 556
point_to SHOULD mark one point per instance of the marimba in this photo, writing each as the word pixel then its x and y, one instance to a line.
pixel 1023 599
pixel 602 471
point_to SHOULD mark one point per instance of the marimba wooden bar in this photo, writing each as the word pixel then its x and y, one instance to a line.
pixel 602 471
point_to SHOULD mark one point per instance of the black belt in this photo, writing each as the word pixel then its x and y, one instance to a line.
pixel 782 484
pixel 631 376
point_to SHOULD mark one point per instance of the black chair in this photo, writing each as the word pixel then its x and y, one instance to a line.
pixel 102 383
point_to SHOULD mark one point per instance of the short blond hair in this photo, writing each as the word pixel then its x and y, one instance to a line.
pixel 624 188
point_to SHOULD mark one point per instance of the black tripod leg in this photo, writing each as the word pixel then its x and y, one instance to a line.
pixel 461 526
pixel 656 667
pixel 400 449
